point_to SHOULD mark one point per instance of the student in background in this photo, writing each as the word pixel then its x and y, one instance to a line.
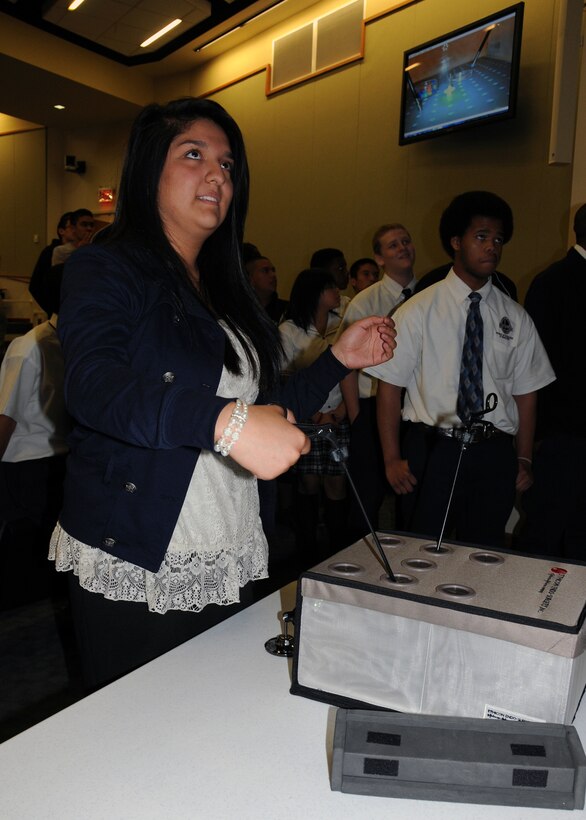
pixel 363 273
pixel 263 278
pixel 310 328
pixel 34 426
pixel 38 284
pixel 394 252
pixel 334 262
pixel 459 341
pixel 82 227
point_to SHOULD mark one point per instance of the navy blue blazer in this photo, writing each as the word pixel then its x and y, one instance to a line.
pixel 141 372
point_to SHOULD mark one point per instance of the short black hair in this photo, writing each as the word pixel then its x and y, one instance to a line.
pixel 64 219
pixel 76 215
pixel 305 293
pixel 457 217
pixel 323 257
pixel 366 260
pixel 250 252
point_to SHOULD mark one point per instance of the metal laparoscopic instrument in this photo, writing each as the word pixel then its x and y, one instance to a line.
pixel 283 644
pixel 472 430
pixel 339 453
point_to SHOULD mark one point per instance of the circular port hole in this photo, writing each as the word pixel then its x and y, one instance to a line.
pixel 487 558
pixel 389 540
pixel 443 550
pixel 401 579
pixel 419 564
pixel 455 591
pixel 345 568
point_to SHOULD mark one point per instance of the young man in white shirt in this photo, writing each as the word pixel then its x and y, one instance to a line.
pixel 431 330
pixel 394 252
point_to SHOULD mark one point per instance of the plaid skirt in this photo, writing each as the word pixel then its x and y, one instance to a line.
pixel 319 460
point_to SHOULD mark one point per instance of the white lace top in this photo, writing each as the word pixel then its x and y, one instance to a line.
pixel 218 544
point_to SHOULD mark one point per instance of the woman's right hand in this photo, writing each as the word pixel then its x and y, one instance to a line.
pixel 269 443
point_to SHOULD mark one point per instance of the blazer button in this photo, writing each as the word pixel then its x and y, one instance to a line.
pixel 169 377
pixel 108 542
pixel 130 487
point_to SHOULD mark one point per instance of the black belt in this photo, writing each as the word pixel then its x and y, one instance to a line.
pixel 482 431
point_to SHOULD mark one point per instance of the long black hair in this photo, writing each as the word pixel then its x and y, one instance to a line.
pixel 305 294
pixel 223 284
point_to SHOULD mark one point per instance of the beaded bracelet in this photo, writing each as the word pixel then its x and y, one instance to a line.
pixel 231 432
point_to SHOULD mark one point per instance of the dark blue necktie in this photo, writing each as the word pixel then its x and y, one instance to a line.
pixel 405 293
pixel 470 390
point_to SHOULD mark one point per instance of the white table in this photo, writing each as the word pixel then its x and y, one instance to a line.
pixel 207 731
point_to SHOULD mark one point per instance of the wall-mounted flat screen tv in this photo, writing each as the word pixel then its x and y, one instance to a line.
pixel 463 78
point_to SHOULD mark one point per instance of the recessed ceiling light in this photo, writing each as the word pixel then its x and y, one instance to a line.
pixel 74 5
pixel 160 33
pixel 59 107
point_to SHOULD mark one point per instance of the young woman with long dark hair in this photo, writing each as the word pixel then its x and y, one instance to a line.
pixel 161 332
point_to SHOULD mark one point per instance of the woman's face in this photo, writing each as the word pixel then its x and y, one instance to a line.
pixel 195 188
pixel 330 298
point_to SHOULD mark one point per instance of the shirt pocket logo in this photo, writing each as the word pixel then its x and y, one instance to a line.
pixel 505 329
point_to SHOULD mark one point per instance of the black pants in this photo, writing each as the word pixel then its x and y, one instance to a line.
pixel 30 500
pixel 115 637
pixel 484 493
pixel 555 504
pixel 32 490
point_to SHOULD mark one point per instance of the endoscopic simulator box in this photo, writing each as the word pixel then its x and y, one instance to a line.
pixel 464 631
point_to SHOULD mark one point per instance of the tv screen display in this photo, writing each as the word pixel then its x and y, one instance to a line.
pixel 463 78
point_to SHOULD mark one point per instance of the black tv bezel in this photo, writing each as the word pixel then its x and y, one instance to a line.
pixel 518 11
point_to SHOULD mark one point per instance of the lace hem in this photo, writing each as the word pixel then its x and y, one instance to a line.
pixel 187 581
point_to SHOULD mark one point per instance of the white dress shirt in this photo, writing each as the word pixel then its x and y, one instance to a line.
pixel 377 300
pixel 430 336
pixel 302 348
pixel 31 393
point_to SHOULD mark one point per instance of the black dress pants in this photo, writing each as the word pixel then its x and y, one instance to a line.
pixel 115 637
pixel 484 493
pixel 556 503
pixel 367 470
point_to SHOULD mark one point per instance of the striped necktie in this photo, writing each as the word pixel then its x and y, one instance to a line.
pixel 470 389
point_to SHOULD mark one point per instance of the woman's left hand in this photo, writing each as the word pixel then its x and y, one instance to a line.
pixel 366 343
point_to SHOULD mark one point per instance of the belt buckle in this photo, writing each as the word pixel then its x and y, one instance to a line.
pixel 477 434
pixel 481 431
pixel 466 435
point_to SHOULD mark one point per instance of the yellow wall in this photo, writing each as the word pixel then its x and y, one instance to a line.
pixel 22 206
pixel 327 168
pixel 326 165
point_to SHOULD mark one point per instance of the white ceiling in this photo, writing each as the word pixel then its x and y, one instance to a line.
pixel 121 25
pixel 29 92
